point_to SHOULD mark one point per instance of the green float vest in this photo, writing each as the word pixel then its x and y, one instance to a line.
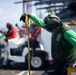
pixel 62 50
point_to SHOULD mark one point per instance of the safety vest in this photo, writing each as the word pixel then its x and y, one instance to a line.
pixel 62 50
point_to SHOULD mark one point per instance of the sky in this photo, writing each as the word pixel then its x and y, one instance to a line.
pixel 11 12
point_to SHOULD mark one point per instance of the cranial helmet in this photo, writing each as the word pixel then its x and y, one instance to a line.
pixel 51 21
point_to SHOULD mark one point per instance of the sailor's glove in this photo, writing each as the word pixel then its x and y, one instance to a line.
pixel 6 39
pixel 23 17
pixel 1 31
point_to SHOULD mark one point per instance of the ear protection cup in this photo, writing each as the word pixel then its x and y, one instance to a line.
pixel 51 23
pixel 47 21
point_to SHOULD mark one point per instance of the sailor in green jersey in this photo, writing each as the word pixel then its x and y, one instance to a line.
pixel 63 43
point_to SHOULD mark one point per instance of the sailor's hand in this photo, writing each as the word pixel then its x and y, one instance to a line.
pixel 23 17
pixel 6 39
pixel 1 31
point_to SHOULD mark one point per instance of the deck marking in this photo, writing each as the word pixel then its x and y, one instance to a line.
pixel 21 73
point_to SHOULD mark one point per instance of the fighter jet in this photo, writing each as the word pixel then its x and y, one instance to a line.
pixel 49 2
pixel 69 12
pixel 52 6
pixel 26 1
